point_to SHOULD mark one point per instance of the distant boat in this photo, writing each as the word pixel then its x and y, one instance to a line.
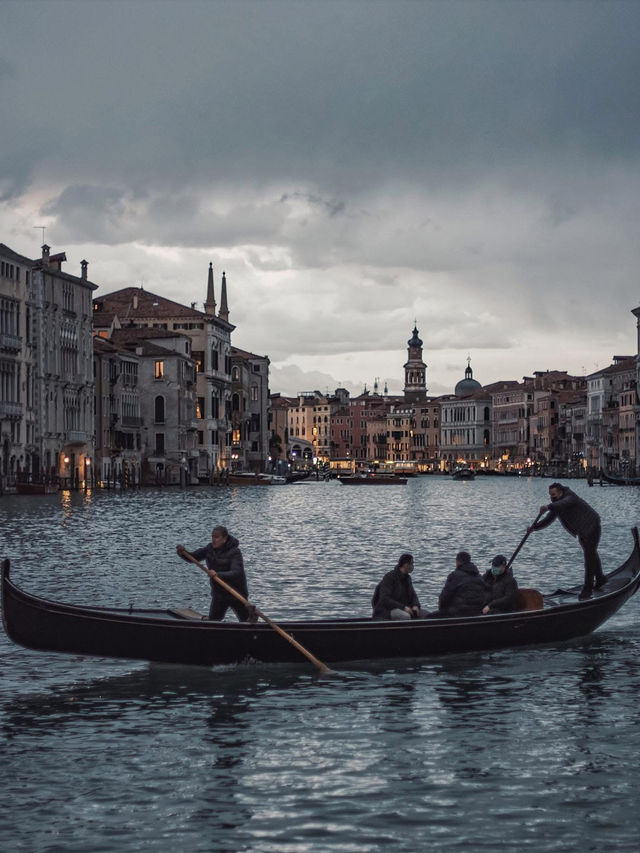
pixel 248 478
pixel 620 480
pixel 372 479
pixel 464 474
pixel 35 488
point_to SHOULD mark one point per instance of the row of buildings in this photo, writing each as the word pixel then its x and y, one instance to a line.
pixel 134 388
pixel 125 388
pixel 549 422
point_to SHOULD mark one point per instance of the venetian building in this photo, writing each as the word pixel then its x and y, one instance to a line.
pixel 61 311
pixel 210 334
pixel 415 371
pixel 466 423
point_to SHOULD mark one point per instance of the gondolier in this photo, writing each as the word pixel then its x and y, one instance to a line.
pixel 582 521
pixel 223 558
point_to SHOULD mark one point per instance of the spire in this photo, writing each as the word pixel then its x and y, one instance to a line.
pixel 210 304
pixel 224 308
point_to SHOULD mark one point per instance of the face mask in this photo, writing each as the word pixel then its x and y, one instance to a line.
pixel 497 570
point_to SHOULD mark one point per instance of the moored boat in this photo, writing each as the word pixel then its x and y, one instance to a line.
pixel 464 474
pixel 620 480
pixel 35 488
pixel 372 479
pixel 250 479
pixel 184 637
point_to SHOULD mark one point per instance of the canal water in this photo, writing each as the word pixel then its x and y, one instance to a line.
pixel 522 749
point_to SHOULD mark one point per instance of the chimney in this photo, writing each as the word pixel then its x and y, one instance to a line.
pixel 45 255
pixel 135 301
pixel 83 267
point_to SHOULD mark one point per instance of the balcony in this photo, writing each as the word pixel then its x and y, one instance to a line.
pixel 131 421
pixel 76 436
pixel 10 410
pixel 10 343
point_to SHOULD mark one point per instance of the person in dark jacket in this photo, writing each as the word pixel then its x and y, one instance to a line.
pixel 224 559
pixel 394 596
pixel 463 593
pixel 582 521
pixel 501 587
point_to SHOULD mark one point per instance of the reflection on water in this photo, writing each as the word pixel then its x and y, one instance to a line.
pixel 506 750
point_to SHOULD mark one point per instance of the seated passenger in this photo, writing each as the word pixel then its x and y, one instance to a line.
pixel 464 591
pixel 394 596
pixel 502 587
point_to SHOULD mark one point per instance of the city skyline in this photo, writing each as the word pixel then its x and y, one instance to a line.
pixel 354 168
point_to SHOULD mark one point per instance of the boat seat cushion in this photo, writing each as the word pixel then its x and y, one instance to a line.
pixel 529 599
pixel 187 613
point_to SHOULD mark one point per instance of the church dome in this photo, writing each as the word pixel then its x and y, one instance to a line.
pixel 415 340
pixel 467 385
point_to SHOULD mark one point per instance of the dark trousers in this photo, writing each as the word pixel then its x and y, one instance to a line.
pixel 220 605
pixel 593 574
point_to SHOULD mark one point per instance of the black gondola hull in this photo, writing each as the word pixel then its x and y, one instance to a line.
pixel 162 636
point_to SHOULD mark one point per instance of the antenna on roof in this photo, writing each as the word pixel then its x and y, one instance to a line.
pixel 43 228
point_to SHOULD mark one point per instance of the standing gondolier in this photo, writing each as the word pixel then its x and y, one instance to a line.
pixel 582 521
pixel 224 558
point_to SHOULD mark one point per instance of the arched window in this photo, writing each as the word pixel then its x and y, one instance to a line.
pixel 159 410
pixel 214 358
pixel 235 403
pixel 235 374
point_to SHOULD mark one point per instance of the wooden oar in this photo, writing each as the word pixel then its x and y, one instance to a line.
pixel 314 660
pixel 524 538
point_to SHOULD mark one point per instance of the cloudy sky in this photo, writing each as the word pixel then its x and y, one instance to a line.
pixel 355 166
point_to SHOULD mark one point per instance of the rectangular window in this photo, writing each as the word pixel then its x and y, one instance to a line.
pixel 159 443
pixel 159 369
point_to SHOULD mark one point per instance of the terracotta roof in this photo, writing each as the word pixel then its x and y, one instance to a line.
pixel 246 354
pixel 149 305
pixel 143 333
pixel 6 252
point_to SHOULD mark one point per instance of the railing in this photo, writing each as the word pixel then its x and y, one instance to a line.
pixel 76 436
pixel 10 409
pixel 10 342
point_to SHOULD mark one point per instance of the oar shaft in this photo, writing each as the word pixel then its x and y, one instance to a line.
pixel 524 539
pixel 234 592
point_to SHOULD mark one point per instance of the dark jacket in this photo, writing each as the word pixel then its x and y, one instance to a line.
pixel 576 516
pixel 395 591
pixel 463 593
pixel 227 562
pixel 502 591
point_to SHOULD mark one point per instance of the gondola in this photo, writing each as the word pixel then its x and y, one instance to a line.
pixel 620 480
pixel 184 637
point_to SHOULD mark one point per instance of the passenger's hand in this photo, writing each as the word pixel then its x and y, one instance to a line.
pixel 544 508
pixel 485 609
pixel 408 610
pixel 180 549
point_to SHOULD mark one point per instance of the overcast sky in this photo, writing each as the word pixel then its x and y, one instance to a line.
pixel 355 167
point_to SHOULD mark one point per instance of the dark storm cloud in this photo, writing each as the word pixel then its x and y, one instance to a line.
pixel 353 165
pixel 343 94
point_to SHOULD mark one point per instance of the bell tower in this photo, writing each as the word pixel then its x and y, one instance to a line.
pixel 415 370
